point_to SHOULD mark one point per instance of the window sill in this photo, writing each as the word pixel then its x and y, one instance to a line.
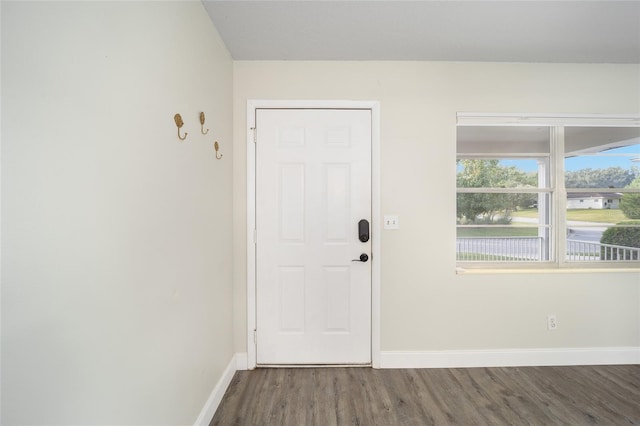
pixel 566 270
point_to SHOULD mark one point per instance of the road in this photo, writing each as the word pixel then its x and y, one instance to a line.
pixel 576 230
pixel 592 235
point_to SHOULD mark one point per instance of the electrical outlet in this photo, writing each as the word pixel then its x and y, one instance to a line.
pixel 552 322
pixel 391 222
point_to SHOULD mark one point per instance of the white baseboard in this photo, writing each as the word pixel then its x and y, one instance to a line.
pixel 510 357
pixel 241 361
pixel 220 388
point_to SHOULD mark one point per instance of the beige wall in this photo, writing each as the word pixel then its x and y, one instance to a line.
pixel 425 305
pixel 116 238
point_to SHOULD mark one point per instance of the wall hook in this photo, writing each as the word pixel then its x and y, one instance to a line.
pixel 180 123
pixel 216 146
pixel 202 124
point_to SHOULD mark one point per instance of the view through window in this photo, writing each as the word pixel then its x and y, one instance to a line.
pixel 548 194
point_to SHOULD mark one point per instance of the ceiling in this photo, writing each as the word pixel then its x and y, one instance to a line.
pixel 578 31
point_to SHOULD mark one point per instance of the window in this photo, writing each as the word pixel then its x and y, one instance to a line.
pixel 547 191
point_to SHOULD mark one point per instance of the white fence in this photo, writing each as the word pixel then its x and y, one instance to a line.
pixel 499 249
pixel 529 249
pixel 590 251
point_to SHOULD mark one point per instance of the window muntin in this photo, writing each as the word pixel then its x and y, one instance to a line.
pixel 553 148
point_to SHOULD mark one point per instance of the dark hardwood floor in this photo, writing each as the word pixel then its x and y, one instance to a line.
pixel 585 395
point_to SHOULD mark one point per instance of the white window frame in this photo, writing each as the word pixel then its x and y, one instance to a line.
pixel 557 123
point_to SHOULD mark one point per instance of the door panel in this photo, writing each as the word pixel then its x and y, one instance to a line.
pixel 313 185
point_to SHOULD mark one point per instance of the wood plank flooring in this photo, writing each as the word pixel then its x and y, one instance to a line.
pixel 585 395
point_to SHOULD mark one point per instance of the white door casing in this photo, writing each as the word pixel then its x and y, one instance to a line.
pixel 252 106
pixel 313 185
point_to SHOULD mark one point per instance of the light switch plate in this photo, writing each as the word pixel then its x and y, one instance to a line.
pixel 391 222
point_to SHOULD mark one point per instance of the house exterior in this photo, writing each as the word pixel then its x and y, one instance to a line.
pixel 584 200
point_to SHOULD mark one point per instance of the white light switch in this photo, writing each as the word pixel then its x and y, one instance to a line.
pixel 391 222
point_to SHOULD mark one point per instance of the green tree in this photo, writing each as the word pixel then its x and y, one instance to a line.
pixel 630 203
pixel 490 174
pixel 611 177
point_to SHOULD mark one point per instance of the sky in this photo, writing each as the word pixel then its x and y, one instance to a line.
pixel 583 162
pixel 630 152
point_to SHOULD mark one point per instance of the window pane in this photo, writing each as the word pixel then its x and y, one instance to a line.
pixel 507 223
pixel 497 209
pixel 603 243
pixel 502 140
pixel 601 158
pixel 497 173
pixel 597 158
pixel 499 244
pixel 500 232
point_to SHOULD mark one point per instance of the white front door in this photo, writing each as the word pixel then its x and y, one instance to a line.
pixel 313 187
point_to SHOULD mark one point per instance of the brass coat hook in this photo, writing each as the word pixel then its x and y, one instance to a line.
pixel 216 146
pixel 180 123
pixel 202 124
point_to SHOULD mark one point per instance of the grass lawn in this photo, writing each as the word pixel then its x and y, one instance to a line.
pixel 484 257
pixel 585 215
pixel 498 231
pixel 525 213
pixel 521 229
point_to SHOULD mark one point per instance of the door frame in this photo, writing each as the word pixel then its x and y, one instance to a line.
pixel 374 107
